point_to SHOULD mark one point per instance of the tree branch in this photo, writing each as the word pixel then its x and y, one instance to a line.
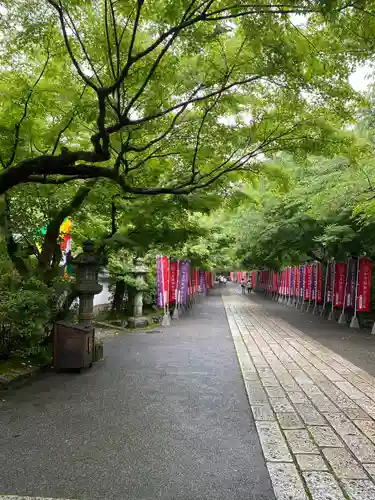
pixel 56 4
pixel 24 114
pixel 118 126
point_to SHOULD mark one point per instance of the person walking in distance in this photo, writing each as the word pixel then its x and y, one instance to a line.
pixel 243 287
pixel 249 285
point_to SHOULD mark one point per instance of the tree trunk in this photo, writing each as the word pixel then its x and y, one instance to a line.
pixel 46 257
pixel 118 298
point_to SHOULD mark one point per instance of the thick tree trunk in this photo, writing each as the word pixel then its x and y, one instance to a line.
pixel 46 258
pixel 118 297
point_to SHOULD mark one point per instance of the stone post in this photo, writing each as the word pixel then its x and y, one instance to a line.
pixel 138 320
pixel 87 266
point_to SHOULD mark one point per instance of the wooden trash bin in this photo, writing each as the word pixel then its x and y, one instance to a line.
pixel 73 346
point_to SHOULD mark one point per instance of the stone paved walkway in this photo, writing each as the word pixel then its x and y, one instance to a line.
pixel 165 416
pixel 314 410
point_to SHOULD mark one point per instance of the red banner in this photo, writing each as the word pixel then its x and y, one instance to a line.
pixel 364 285
pixel 173 281
pixel 165 270
pixel 319 283
pixel 329 282
pixel 287 292
pixel 254 275
pixel 307 284
pixel 296 284
pixel 340 277
pixel 350 288
pixel 208 279
pixel 274 282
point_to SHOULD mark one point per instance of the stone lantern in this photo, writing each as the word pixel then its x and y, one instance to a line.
pixel 138 320
pixel 87 266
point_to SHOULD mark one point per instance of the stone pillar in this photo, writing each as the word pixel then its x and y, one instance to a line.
pixel 138 320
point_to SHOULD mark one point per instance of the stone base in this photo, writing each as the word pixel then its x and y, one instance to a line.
pixel 99 351
pixel 139 322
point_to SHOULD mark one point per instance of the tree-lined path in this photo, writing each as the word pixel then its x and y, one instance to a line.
pixel 163 416
pixel 175 415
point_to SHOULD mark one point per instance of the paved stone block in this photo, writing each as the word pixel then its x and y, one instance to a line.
pixel 323 486
pixel 340 423
pixel 281 405
pixel 342 400
pixel 300 441
pixel 344 464
pixel 310 462
pixel 273 442
pixel 275 392
pixel 263 412
pixel 350 390
pixel 323 404
pixel 370 469
pixel 357 414
pixel 301 377
pixel 362 447
pixel 286 482
pixel 256 395
pixel 367 427
pixel 270 382
pixel 310 415
pixel 359 444
pixel 311 390
pixel 290 420
pixel 298 397
pixel 360 489
pixel 332 375
pixel 367 405
pixel 328 387
pixel 288 382
pixel 325 436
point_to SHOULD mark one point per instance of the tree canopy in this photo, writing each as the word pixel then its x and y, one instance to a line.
pixel 224 131
pixel 165 97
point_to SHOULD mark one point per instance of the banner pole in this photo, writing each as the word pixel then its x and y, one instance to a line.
pixel 302 291
pixel 325 290
pixel 312 267
pixel 291 285
pixel 354 323
pixel 304 305
pixel 331 316
pixel 175 314
pixel 298 287
pixel 316 288
pixel 342 320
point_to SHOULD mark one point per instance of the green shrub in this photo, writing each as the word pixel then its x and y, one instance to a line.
pixel 26 310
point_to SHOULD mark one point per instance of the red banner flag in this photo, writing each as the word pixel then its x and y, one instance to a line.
pixel 296 283
pixel 274 282
pixel 329 282
pixel 196 281
pixel 307 284
pixel 173 281
pixel 350 288
pixel 165 270
pixel 340 277
pixel 364 285
pixel 254 275
pixel 319 283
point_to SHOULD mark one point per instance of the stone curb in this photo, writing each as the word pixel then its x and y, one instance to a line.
pixel 23 378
